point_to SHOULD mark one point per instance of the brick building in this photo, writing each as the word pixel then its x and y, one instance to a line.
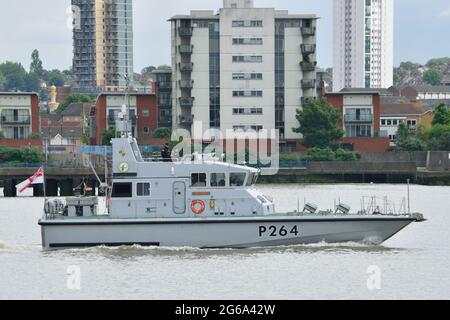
pixel 143 114
pixel 19 118
pixel 361 113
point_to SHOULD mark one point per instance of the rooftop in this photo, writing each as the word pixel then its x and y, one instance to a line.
pixel 401 109
pixel 18 94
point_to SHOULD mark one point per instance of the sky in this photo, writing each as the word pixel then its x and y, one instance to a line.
pixel 421 29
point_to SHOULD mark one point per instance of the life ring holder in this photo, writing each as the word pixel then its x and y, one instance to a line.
pixel 198 206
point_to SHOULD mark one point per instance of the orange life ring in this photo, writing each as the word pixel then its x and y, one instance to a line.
pixel 198 206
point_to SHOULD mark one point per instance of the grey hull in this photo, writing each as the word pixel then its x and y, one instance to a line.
pixel 219 233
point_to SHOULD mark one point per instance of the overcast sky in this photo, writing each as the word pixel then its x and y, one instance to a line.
pixel 422 29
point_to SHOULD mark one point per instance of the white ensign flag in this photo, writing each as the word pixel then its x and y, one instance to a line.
pixel 37 178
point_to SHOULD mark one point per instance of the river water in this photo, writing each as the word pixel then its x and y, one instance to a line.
pixel 415 264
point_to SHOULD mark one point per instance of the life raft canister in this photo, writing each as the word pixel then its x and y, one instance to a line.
pixel 198 206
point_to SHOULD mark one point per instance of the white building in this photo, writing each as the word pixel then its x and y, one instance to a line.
pixel 363 44
pixel 243 68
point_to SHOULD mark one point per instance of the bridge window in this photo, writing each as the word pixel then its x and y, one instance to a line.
pixel 198 180
pixel 122 190
pixel 218 180
pixel 250 179
pixel 143 189
pixel 237 179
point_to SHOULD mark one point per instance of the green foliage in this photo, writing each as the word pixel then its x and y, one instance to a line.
pixel 35 136
pixel 2 136
pixel 344 155
pixel 319 124
pixel 162 133
pixel 55 77
pixel 441 115
pixel 2 82
pixel 289 157
pixel 26 155
pixel 433 77
pixel 74 98
pixel 318 154
pixel 147 70
pixel 107 135
pixel 407 141
pixel 327 154
pixel 408 65
pixel 14 75
pixel 36 64
pixel 438 62
pixel 397 79
pixel 437 138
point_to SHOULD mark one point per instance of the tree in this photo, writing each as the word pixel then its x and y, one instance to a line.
pixel 74 98
pixel 2 82
pixel 406 141
pixel 319 124
pixel 433 77
pixel 437 138
pixel 432 63
pixel 107 135
pixel 56 78
pixel 147 70
pixel 408 65
pixel 31 83
pixel 14 74
pixel 36 64
pixel 163 133
pixel 441 115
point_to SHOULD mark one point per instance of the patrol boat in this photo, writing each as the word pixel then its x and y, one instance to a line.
pixel 203 204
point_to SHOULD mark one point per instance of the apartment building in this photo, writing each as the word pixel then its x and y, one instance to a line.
pixel 163 80
pixel 102 44
pixel 142 109
pixel 363 44
pixel 361 114
pixel 19 115
pixel 242 68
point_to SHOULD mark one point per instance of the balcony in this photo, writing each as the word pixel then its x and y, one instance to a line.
pixel 185 48
pixel 185 32
pixel 16 120
pixel 308 84
pixel 186 67
pixel 186 84
pixel 358 118
pixel 186 102
pixel 308 66
pixel 308 32
pixel 185 120
pixel 308 48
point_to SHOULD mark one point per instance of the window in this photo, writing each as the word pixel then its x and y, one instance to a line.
pixel 198 180
pixel 247 93
pixel 218 180
pixel 256 59
pixel 383 122
pixel 247 76
pixel 247 24
pixel 237 179
pixel 143 189
pixel 247 41
pixel 247 111
pixel 250 179
pixel 146 130
pixel 411 123
pixel 247 128
pixel 122 190
pixel 146 113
